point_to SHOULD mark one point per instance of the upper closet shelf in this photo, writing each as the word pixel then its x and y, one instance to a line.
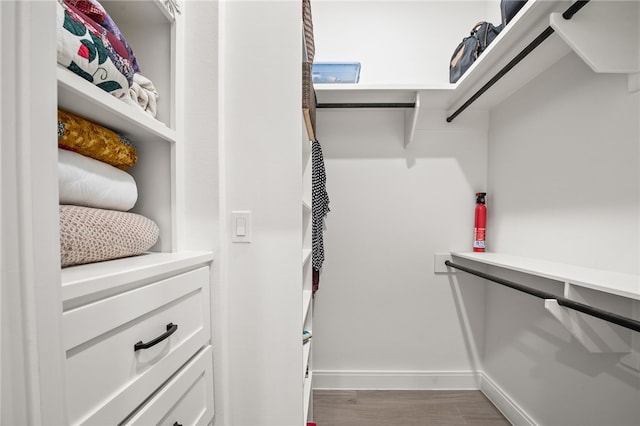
pixel 80 97
pixel 528 46
pixel 530 21
pixel 625 285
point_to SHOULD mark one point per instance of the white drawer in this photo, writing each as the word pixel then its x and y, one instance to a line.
pixel 185 400
pixel 107 379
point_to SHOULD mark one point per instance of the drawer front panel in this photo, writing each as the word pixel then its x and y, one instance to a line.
pixel 187 399
pixel 106 378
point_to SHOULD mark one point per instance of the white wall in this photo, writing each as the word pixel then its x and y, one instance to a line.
pixel 382 318
pixel 564 185
pixel 563 167
pixel 261 126
pixel 201 217
pixel 396 41
pixel 563 175
pixel 201 128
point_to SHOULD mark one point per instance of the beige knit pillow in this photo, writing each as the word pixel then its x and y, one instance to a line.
pixel 92 235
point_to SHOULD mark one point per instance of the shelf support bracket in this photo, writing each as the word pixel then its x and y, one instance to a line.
pixel 596 335
pixel 605 37
pixel 410 120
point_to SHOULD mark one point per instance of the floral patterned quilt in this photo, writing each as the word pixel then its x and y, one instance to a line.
pixel 94 53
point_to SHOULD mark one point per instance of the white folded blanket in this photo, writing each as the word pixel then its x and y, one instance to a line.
pixel 84 181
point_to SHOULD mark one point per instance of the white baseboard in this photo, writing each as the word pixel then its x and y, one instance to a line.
pixel 512 411
pixel 362 379
pixel 427 380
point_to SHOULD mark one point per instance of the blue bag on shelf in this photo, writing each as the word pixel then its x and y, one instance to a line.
pixel 466 53
pixel 336 72
pixel 509 8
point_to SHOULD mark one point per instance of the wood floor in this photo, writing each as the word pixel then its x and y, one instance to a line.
pixel 404 408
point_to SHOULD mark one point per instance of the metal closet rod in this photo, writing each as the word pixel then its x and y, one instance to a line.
pixel 367 105
pixel 568 14
pixel 562 301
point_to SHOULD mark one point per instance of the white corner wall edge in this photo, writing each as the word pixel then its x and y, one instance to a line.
pixel 395 379
pixel 507 406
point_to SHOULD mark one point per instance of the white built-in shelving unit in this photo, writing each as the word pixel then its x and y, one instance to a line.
pixel 92 315
pixel 307 138
pixel 166 285
pixel 146 26
pixel 602 34
pixel 307 293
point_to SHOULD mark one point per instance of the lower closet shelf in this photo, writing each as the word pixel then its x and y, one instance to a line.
pixel 595 306
pixel 625 285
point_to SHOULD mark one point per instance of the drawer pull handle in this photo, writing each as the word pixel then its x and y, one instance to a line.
pixel 177 424
pixel 171 328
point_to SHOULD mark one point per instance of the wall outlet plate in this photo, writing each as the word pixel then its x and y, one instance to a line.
pixel 438 263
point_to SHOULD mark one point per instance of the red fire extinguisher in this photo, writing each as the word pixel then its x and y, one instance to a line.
pixel 480 227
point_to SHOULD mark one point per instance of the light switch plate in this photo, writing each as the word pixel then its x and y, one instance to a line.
pixel 241 226
pixel 438 263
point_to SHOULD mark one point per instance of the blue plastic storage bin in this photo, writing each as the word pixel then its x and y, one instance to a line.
pixel 336 72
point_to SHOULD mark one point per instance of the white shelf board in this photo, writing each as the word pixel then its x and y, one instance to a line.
pixel 625 285
pixel 84 280
pixel 306 255
pixel 87 100
pixel 306 353
pixel 307 395
pixel 307 295
pixel 387 93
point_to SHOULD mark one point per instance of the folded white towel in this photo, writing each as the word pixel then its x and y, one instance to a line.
pixel 84 181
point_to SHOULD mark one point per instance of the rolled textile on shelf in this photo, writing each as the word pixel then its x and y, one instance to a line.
pixel 90 235
pixel 90 139
pixel 84 181
pixel 307 26
pixel 144 94
pixel 308 100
